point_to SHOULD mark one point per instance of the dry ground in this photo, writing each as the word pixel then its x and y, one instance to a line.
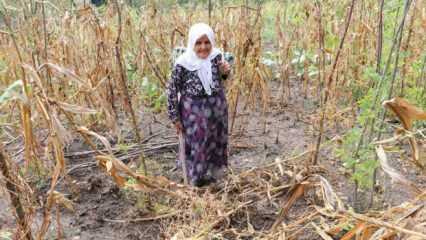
pixel 285 130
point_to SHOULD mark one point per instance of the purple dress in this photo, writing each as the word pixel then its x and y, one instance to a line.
pixel 204 119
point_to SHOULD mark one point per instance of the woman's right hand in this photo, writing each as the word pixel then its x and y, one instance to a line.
pixel 178 126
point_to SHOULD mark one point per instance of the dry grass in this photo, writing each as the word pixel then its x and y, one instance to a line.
pixel 72 87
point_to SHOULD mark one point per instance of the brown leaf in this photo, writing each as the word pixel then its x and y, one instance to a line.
pixel 331 200
pixel 108 165
pixel 61 199
pixel 367 233
pixel 356 230
pixel 395 175
pixel 397 137
pixel 73 108
pixel 407 113
pixel 63 133
pixel 67 72
pixel 280 167
pixel 103 139
pixel 293 194
pixel 321 232
pixel 415 226
pixel 339 227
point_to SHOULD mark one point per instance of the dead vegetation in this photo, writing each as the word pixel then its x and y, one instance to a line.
pixel 78 72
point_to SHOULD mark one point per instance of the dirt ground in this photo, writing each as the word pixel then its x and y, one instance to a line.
pixel 284 130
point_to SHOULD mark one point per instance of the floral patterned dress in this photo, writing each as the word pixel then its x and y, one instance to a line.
pixel 204 119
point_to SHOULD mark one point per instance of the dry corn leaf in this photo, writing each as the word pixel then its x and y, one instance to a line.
pixel 293 194
pixel 321 232
pixel 354 231
pixel 397 137
pixel 103 139
pixel 380 223
pixel 407 113
pixel 179 236
pixel 280 167
pixel 73 108
pixel 36 78
pixel 339 227
pixel 367 233
pixel 108 165
pixel 63 133
pixel 395 175
pixel 415 226
pixel 331 200
pixel 61 199
pixel 143 183
pixel 66 72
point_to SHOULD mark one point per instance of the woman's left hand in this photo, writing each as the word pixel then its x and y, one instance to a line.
pixel 224 67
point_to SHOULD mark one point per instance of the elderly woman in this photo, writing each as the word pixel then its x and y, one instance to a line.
pixel 201 112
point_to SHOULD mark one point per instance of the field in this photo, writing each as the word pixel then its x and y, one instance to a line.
pixel 326 127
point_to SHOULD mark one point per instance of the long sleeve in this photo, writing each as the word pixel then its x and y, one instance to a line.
pixel 172 94
pixel 216 62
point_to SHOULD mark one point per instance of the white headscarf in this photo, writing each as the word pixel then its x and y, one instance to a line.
pixel 190 61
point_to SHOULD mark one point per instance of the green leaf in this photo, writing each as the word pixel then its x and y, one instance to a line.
pixel 332 42
pixel 298 59
pixel 10 92
pixel 160 208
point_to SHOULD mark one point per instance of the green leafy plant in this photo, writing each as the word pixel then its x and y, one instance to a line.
pixel 364 164
pixel 123 147
pixel 152 95
pixel 139 197
pixel 160 208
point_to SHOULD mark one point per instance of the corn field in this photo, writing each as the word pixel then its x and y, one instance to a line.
pixel 83 86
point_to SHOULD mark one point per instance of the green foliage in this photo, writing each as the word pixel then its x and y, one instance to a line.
pixel 366 110
pixel 153 96
pixel 414 96
pixel 331 42
pixel 299 59
pixel 197 211
pixel 364 164
pixel 123 147
pixel 12 91
pixel 160 208
pixel 130 181
pixel 139 198
pixel 269 14
pixel 2 63
pixel 364 171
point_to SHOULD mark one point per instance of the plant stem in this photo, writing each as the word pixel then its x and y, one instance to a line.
pixel 379 39
pixel 422 76
pixel 405 49
pixel 329 80
pixel 45 46
pixel 400 32
pixel 123 79
pixel 25 107
pixel 360 143
pixel 14 195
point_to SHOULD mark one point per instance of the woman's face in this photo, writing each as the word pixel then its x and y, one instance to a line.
pixel 203 47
